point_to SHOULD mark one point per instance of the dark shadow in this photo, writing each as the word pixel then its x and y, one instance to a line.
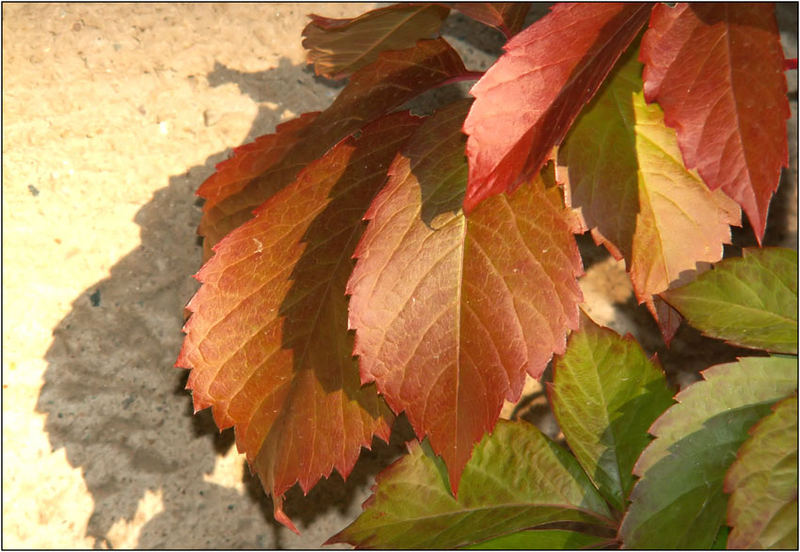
pixel 315 306
pixel 711 17
pixel 270 87
pixel 481 41
pixel 334 493
pixel 441 196
pixel 113 399
pixel 111 395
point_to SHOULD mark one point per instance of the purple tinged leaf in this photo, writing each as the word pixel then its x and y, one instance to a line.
pixel 338 47
pixel 508 17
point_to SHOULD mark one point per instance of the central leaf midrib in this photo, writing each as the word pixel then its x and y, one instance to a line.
pixel 459 314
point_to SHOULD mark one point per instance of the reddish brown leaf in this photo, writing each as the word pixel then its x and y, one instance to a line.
pixel 268 344
pixel 508 17
pixel 337 47
pixel 247 162
pixel 717 72
pixel 251 160
pixel 450 312
pixel 667 318
pixel 528 99
pixel 376 89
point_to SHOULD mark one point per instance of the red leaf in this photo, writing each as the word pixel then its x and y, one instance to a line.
pixel 393 79
pixel 268 344
pixel 247 163
pixel 251 160
pixel 717 72
pixel 337 47
pixel 508 17
pixel 667 318
pixel 449 311
pixel 528 99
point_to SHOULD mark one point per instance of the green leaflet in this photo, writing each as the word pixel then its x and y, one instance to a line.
pixel 679 502
pixel 515 480
pixel 721 540
pixel 749 301
pixel 542 539
pixel 605 395
pixel 626 176
pixel 763 483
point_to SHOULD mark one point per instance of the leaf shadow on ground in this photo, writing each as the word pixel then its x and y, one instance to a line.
pixel 114 401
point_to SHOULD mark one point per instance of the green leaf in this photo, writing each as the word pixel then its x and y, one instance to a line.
pixel 542 539
pixel 337 47
pixel 721 540
pixel 679 502
pixel 516 479
pixel 763 483
pixel 605 394
pixel 626 177
pixel 749 301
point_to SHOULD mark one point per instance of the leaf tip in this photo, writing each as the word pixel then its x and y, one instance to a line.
pixel 281 516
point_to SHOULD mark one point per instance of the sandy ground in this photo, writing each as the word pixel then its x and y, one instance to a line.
pixel 112 116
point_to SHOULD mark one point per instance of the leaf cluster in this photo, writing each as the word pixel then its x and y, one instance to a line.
pixel 364 261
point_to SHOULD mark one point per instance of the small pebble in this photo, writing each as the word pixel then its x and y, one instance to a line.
pixel 33 190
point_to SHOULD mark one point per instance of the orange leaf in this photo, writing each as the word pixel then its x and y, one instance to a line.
pixel 267 342
pixel 451 311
